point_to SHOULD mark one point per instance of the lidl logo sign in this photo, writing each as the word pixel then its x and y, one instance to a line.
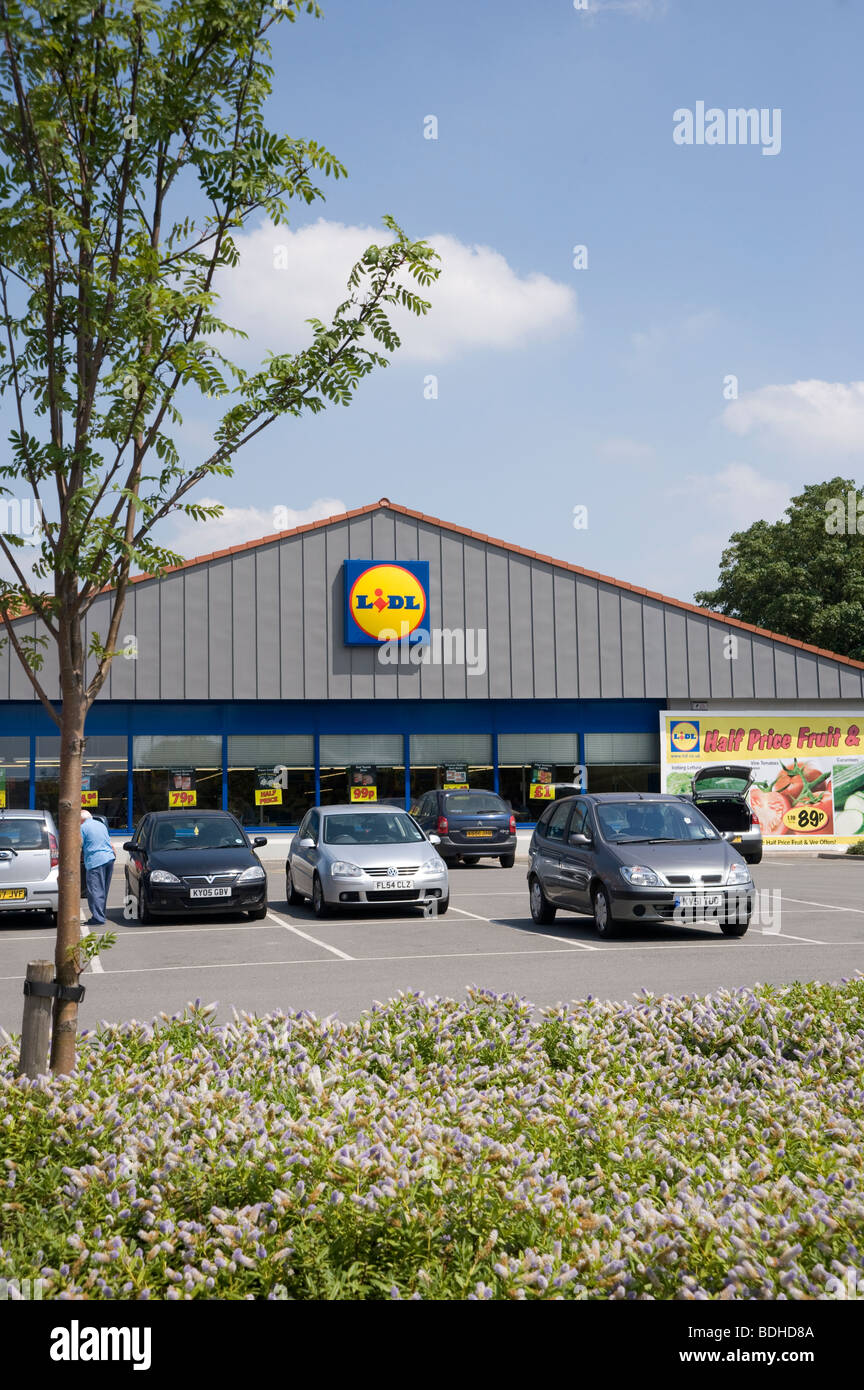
pixel 383 601
pixel 684 735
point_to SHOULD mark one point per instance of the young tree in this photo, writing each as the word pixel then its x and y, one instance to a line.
pixel 132 148
pixel 803 575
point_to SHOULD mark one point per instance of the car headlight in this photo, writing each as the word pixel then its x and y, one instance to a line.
pixel 739 873
pixel 251 875
pixel 431 866
pixel 162 876
pixel 339 869
pixel 641 877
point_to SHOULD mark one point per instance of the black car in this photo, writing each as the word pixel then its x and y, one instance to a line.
pixel 194 861
pixel 720 792
pixel 471 825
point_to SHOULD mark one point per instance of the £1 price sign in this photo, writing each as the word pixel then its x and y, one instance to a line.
pixel 364 793
pixel 182 798
pixel 89 798
pixel 541 791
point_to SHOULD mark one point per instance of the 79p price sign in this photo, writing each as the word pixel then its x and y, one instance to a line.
pixel 182 798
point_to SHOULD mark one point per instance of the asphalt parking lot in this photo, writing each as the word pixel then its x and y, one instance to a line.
pixel 341 965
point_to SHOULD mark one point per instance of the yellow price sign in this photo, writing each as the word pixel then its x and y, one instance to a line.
pixel 541 791
pixel 268 796
pixel 456 787
pixel 2 798
pixel 364 793
pixel 182 798
pixel 89 798
pixel 805 819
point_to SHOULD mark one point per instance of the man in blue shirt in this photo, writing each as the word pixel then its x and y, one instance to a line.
pixel 98 866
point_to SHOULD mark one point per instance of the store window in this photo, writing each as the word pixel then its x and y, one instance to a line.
pixel 430 753
pixel 104 782
pixel 182 771
pixel 14 774
pixel 623 762
pixel 360 758
pixel 519 753
pixel 259 792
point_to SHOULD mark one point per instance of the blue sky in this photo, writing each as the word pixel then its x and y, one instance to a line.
pixel 600 387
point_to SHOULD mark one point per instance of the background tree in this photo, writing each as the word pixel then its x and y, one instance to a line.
pixel 132 147
pixel 802 576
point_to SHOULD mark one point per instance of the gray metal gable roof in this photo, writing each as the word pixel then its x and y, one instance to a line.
pixel 265 621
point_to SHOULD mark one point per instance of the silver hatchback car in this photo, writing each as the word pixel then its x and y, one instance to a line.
pixel 352 856
pixel 639 858
pixel 29 859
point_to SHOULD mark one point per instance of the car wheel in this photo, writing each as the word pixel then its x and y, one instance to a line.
pixel 734 928
pixel 294 898
pixel 754 858
pixel 604 923
pixel 441 906
pixel 507 861
pixel 143 916
pixel 542 910
pixel 257 913
pixel 319 905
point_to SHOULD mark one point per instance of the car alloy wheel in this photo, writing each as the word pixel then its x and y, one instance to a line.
pixel 541 909
pixel 734 928
pixel 142 908
pixel 604 923
pixel 319 904
pixel 290 891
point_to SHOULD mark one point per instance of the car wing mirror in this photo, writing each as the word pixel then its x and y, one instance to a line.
pixel 128 845
pixel 434 839
pixel 580 839
pixel 307 842
pixel 258 841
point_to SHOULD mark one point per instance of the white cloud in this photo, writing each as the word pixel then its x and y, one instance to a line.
pixel 809 415
pixel 237 525
pixel 478 302
pixel 622 450
pixel 644 9
pixel 729 500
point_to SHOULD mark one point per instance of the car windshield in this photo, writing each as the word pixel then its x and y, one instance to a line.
pixel 197 832
pixel 623 821
pixel 365 828
pixel 721 784
pixel 22 834
pixel 473 804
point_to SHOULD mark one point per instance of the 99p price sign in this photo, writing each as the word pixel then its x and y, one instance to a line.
pixel 364 793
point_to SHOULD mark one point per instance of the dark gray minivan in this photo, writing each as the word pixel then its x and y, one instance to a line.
pixel 639 858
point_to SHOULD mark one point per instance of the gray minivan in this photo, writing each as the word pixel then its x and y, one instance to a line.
pixel 29 859
pixel 636 857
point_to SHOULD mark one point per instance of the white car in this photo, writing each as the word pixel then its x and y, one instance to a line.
pixel 357 856
pixel 29 859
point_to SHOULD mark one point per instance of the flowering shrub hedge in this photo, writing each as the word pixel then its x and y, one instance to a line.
pixel 670 1148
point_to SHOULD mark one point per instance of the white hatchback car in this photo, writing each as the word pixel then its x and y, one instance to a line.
pixel 356 856
pixel 29 859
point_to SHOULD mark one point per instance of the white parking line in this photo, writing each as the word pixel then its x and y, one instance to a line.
pixel 96 966
pixel 306 937
pixel 581 945
pixel 831 907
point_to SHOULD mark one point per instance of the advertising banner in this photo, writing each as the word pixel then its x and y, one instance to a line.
pixel 454 777
pixel 181 787
pixel 268 786
pixel 362 782
pixel 2 788
pixel 542 789
pixel 807 769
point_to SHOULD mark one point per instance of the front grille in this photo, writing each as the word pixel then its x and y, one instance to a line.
pixel 694 878
pixel 401 895
pixel 220 880
pixel 400 871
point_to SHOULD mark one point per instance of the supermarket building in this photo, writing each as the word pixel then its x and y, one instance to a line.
pixel 390 639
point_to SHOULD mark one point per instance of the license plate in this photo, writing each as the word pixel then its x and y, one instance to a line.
pixel 209 892
pixel 7 894
pixel 699 900
pixel 395 883
pixel 479 834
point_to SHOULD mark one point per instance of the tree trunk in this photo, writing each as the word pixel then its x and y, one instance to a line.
pixel 68 917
